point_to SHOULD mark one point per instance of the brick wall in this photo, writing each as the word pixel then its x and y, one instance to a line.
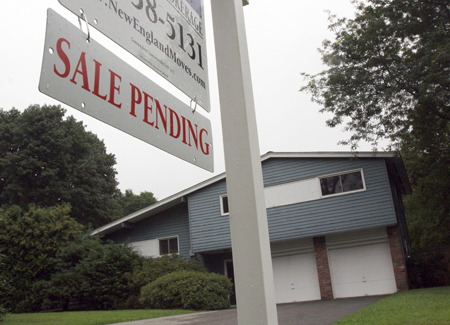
pixel 323 268
pixel 401 275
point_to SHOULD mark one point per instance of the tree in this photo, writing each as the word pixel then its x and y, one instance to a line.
pixel 388 68
pixel 29 242
pixel 388 77
pixel 48 160
pixel 131 202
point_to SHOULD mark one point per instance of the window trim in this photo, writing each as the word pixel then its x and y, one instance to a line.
pixel 222 211
pixel 168 240
pixel 342 173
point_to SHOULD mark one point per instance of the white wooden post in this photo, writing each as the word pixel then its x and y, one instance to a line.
pixel 248 217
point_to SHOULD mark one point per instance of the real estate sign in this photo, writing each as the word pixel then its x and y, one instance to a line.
pixel 88 77
pixel 167 35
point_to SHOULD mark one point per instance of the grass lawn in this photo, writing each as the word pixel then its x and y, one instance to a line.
pixel 88 317
pixel 413 307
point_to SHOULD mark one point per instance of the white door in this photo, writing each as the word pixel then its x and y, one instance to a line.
pixel 362 270
pixel 295 278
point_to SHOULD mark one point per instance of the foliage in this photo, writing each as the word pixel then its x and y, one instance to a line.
pixel 188 290
pixel 88 317
pixel 94 273
pixel 48 160
pixel 131 202
pixel 3 312
pixel 29 242
pixel 419 307
pixel 388 69
pixel 431 268
pixel 4 287
pixel 388 77
pixel 428 208
pixel 151 269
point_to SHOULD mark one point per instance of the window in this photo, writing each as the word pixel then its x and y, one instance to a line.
pixel 168 245
pixel 342 183
pixel 224 210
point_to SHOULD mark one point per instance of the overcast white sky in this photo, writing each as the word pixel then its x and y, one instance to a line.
pixel 283 37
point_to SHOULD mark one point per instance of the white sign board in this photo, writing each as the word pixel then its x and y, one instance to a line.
pixel 167 35
pixel 88 77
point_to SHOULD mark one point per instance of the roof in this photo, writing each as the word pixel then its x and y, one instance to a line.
pixel 394 163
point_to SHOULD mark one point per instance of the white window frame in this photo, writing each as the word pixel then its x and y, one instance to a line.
pixel 341 173
pixel 168 239
pixel 222 212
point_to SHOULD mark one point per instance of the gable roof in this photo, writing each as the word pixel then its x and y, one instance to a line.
pixel 394 163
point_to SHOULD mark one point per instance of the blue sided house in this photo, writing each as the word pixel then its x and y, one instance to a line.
pixel 336 224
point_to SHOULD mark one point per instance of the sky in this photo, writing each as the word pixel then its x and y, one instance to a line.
pixel 283 40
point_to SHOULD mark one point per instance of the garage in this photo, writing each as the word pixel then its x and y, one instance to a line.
pixel 361 264
pixel 295 272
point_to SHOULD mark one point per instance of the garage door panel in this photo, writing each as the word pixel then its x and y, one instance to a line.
pixel 361 270
pixel 296 278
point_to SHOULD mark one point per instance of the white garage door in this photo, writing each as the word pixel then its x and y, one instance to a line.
pixel 295 278
pixel 362 270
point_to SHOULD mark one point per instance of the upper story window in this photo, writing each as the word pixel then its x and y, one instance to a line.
pixel 342 183
pixel 168 245
pixel 224 210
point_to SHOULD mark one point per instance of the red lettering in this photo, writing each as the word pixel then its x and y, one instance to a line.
pixel 160 113
pixel 147 108
pixel 135 101
pixel 172 114
pixel 83 72
pixel 190 131
pixel 63 57
pixel 113 88
pixel 206 152
pixel 184 129
pixel 97 80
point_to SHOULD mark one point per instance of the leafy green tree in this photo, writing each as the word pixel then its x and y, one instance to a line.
pixel 388 78
pixel 29 242
pixel 388 69
pixel 92 272
pixel 427 158
pixel 46 159
pixel 131 202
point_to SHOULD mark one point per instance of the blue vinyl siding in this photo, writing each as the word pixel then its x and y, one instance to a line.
pixel 172 222
pixel 371 208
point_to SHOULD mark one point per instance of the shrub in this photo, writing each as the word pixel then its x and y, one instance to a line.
pixel 2 312
pixel 92 272
pixel 188 290
pixel 151 269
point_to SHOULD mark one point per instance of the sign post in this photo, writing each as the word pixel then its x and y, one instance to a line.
pixel 248 217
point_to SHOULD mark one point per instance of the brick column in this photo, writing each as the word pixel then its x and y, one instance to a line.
pixel 323 269
pixel 401 275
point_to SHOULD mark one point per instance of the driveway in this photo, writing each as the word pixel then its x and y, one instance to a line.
pixel 320 312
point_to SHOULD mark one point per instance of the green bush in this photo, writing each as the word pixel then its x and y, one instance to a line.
pixel 92 272
pixel 2 312
pixel 188 290
pixel 151 269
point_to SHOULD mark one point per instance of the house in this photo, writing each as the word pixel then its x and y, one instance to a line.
pixel 336 224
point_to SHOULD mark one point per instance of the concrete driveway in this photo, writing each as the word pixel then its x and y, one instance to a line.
pixel 320 312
